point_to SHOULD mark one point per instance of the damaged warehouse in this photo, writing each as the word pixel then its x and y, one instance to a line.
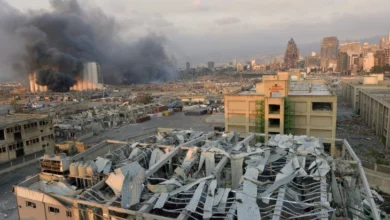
pixel 92 122
pixel 186 174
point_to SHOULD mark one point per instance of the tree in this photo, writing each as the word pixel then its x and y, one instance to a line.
pixel 380 69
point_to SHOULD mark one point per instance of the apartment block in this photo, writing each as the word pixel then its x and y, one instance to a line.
pixel 350 89
pixel 24 134
pixel 285 104
pixel 374 105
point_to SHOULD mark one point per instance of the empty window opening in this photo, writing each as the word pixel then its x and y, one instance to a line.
pixel 68 214
pixel 327 147
pixel 274 109
pixel 18 136
pixel 274 123
pixel 54 210
pixel 31 204
pixel 322 106
pixel 273 133
pixel 2 136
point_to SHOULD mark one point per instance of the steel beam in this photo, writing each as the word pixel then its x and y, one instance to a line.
pixel 279 204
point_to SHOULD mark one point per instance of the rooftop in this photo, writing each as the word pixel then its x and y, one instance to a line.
pixel 16 118
pixel 185 174
pixel 303 88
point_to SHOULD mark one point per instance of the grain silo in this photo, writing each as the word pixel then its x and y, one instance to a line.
pixel 90 79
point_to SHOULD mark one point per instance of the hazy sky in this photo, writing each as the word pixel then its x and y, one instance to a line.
pixel 221 29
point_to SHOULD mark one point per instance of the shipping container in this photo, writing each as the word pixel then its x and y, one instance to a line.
pixel 160 108
pixel 143 119
pixel 196 112
pixel 177 109
pixel 168 113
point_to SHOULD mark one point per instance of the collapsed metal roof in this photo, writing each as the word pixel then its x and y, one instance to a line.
pixel 196 175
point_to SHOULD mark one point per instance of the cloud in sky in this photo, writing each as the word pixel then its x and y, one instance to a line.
pixel 227 21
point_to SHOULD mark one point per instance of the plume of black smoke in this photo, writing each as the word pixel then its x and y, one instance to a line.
pixel 58 42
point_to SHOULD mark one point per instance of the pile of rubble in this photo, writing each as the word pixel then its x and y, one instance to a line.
pixel 186 174
pixel 351 127
pixel 98 119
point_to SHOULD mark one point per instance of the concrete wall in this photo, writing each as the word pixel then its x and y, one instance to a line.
pixel 318 123
pixel 240 111
pixel 378 176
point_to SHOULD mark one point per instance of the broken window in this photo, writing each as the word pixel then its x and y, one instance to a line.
pixel 31 204
pixel 274 109
pixel 327 147
pixel 54 210
pixel 274 123
pixel 17 136
pixel 322 106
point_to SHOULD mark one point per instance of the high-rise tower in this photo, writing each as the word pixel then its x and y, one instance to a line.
pixel 292 55
pixel 329 47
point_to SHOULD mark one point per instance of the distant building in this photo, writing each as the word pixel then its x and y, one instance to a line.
pixel 383 43
pixel 274 65
pixel 379 58
pixel 329 47
pixel 354 62
pixel 234 62
pixel 258 67
pixel 369 48
pixel 292 55
pixel 368 62
pixel 240 67
pixel 312 61
pixel 387 56
pixel 188 67
pixel 210 65
pixel 350 47
pixel 343 63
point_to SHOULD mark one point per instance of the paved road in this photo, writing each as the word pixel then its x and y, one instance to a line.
pixel 178 120
pixel 8 208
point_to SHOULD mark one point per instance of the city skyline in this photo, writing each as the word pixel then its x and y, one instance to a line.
pixel 226 32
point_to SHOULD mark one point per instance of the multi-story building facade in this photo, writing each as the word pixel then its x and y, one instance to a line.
pixel 288 105
pixel 369 48
pixel 379 58
pixel 350 47
pixel 329 47
pixel 387 56
pixel 343 63
pixel 368 62
pixel 312 61
pixel 24 134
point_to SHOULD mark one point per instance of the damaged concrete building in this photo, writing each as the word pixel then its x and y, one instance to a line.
pixel 186 174
pixel 91 122
pixel 285 104
pixel 370 98
pixel 25 134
